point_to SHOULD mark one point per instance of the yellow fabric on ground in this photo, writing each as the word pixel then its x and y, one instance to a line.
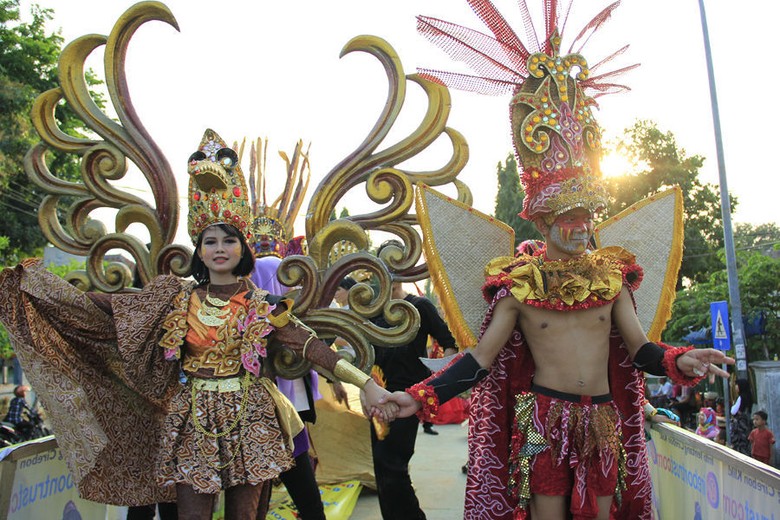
pixel 341 439
pixel 338 499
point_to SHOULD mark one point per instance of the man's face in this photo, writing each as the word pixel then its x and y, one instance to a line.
pixel 571 231
pixel 341 296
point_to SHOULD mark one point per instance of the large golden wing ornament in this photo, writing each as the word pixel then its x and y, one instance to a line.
pixel 66 213
pixel 338 248
pixel 651 229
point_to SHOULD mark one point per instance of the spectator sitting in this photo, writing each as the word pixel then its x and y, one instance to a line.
pixel 663 394
pixel 685 405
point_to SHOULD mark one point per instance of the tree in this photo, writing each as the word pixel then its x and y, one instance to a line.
pixel 763 237
pixel 28 67
pixel 661 164
pixel 509 201
pixel 758 274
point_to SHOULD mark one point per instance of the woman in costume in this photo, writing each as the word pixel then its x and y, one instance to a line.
pixel 164 390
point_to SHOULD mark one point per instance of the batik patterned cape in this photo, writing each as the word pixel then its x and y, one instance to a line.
pixel 103 380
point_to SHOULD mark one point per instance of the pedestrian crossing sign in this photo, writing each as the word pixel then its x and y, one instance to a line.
pixel 721 331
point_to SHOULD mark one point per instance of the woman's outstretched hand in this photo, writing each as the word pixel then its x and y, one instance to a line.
pixel 373 398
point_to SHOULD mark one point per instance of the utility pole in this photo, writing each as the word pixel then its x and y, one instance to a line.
pixel 725 209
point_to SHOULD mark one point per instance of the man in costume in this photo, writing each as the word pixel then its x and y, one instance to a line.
pixel 556 414
pixel 401 367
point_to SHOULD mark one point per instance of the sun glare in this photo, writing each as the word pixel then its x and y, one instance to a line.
pixel 614 164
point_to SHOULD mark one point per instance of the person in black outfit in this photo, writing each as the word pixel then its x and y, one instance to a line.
pixel 402 368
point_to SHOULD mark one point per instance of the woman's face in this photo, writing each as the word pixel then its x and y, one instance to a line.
pixel 220 253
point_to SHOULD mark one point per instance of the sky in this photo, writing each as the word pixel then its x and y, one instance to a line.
pixel 272 69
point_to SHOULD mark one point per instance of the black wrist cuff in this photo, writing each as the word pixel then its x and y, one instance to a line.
pixel 459 377
pixel 649 358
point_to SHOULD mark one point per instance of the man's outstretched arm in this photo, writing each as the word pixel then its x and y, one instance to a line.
pixel 468 370
pixel 652 358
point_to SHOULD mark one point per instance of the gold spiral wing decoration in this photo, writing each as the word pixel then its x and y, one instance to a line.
pixel 340 248
pixel 384 182
pixel 105 160
pixel 354 325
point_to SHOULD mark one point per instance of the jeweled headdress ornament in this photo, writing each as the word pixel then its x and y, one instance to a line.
pixel 217 189
pixel 273 224
pixel 556 138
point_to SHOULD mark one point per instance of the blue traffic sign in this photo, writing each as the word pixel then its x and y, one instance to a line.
pixel 721 330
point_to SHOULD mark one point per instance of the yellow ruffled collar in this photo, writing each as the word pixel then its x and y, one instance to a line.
pixel 589 280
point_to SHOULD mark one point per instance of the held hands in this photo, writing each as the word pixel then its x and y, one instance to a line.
pixel 702 361
pixel 375 405
pixel 407 406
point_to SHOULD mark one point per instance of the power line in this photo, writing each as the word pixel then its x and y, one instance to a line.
pixel 18 210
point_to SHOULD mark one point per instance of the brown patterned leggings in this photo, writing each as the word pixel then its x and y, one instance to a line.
pixel 244 502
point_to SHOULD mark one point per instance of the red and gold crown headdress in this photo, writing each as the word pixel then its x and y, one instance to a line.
pixel 273 224
pixel 556 138
pixel 217 189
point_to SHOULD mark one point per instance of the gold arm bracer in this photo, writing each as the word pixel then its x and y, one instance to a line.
pixel 349 373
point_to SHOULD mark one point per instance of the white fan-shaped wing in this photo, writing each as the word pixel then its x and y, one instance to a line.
pixel 458 242
pixel 651 229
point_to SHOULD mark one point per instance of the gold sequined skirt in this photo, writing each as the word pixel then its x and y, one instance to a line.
pixel 586 431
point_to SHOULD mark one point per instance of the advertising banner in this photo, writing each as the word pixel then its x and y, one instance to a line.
pixel 698 479
pixel 43 487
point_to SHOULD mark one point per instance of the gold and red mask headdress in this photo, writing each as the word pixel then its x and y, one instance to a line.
pixel 273 224
pixel 556 138
pixel 217 189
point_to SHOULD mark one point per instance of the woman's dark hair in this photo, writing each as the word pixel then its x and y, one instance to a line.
pixel 747 395
pixel 347 282
pixel 245 266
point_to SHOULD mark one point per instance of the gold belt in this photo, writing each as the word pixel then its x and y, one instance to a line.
pixel 231 384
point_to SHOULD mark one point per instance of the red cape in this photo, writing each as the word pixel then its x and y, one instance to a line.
pixel 490 426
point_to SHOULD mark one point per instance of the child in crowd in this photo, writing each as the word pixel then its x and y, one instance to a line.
pixel 707 426
pixel 761 438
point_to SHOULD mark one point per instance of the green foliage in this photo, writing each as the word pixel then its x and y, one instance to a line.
pixel 28 67
pixel 509 201
pixel 6 351
pixel 758 275
pixel 660 165
pixel 63 270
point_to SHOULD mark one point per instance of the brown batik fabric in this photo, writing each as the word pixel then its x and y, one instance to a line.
pixel 252 452
pixel 103 381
